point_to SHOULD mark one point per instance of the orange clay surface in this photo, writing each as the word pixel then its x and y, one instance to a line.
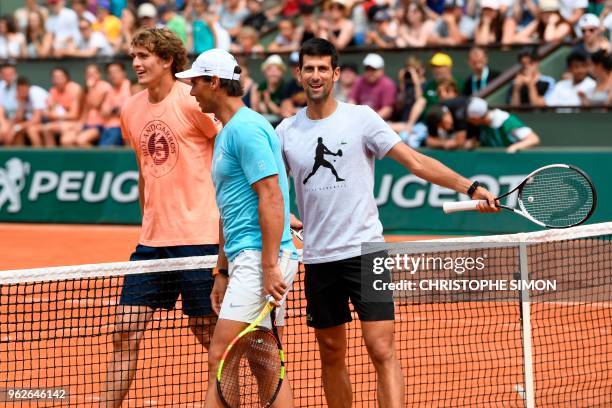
pixel 452 354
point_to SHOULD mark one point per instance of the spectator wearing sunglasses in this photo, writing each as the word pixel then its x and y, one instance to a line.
pixel 593 39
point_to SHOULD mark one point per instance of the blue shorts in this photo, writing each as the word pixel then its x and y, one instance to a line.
pixel 111 137
pixel 161 290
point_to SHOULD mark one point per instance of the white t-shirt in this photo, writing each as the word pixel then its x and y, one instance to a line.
pixel 338 210
pixel 98 41
pixel 64 26
pixel 565 93
pixel 37 100
pixel 8 98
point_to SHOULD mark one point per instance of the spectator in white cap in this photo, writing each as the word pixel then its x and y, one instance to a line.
pixel 374 88
pixel 489 30
pixel 268 97
pixel 499 128
pixel 337 28
pixel 592 35
pixel 147 15
pixel 252 192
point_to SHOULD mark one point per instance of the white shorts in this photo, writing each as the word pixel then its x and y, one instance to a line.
pixel 244 298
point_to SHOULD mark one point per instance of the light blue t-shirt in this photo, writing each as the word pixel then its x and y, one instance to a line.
pixel 246 151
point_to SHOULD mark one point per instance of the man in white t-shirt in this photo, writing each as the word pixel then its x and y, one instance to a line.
pixel 566 92
pixel 90 44
pixel 31 103
pixel 339 213
pixel 62 25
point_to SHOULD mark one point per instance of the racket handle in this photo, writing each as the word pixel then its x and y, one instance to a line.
pixel 470 205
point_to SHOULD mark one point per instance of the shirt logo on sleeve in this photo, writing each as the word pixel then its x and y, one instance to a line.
pixel 159 148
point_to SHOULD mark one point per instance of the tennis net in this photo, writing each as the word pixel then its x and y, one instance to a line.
pixel 464 349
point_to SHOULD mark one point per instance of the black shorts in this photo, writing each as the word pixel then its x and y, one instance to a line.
pixel 161 290
pixel 330 285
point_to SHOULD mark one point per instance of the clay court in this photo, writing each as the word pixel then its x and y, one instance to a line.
pixel 57 335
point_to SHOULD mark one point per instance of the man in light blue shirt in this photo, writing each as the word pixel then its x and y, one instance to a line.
pixel 252 194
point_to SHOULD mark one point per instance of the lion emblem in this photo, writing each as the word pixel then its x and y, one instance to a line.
pixel 12 182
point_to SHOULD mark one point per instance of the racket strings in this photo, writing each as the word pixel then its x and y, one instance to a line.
pixel 558 196
pixel 251 371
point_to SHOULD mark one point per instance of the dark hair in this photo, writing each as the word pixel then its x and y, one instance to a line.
pixel 435 115
pixel 233 87
pixel 351 66
pixel 23 81
pixel 62 69
pixel 11 27
pixel 602 58
pixel 318 47
pixel 8 64
pixel 528 52
pixel 117 63
pixel 576 56
pixel 448 83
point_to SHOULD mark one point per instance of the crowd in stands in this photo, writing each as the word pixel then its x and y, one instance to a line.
pixel 424 102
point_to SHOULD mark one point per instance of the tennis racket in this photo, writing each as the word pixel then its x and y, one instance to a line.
pixel 252 368
pixel 554 196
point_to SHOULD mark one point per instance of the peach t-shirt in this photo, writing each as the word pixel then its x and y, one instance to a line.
pixel 174 141
pixel 99 90
pixel 65 98
pixel 115 98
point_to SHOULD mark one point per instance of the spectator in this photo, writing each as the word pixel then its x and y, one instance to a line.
pixel 110 110
pixel 256 18
pixel 489 29
pixel 295 97
pixel 602 94
pixel 147 16
pixel 36 45
pixel 566 92
pixel 361 24
pixel 8 89
pixel 549 25
pixel 22 14
pixel 107 23
pixel 80 8
pixel 530 87
pixel 62 112
pixel 442 68
pixel 384 34
pixel 349 75
pixel 231 15
pixel 416 28
pixel 5 126
pixel 572 10
pixel 62 26
pixel 248 84
pixel 499 128
pixel 411 103
pixel 286 40
pixel 12 43
pixel 374 88
pixel 453 27
pixel 270 93
pixel 248 43
pixel 309 27
pixel 31 103
pixel 174 22
pixel 442 132
pixel 88 129
pixel 457 105
pixel 593 39
pixel 520 14
pixel 202 28
pixel 335 26
pixel 481 75
pixel 89 44
pixel 128 28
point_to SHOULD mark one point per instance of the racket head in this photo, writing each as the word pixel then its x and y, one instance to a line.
pixel 557 196
pixel 252 370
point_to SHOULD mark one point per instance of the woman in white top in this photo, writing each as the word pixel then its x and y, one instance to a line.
pixel 601 69
pixel 416 27
pixel 12 43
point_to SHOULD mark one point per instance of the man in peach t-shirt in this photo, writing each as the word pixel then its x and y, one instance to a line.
pixel 111 107
pixel 173 142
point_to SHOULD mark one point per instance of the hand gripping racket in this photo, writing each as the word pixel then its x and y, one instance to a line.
pixel 554 196
pixel 252 368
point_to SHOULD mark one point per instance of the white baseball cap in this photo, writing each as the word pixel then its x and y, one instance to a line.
pixel 588 20
pixel 215 62
pixel 374 60
pixel 491 4
pixel 477 108
pixel 147 10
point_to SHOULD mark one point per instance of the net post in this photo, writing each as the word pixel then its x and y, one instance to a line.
pixel 526 329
